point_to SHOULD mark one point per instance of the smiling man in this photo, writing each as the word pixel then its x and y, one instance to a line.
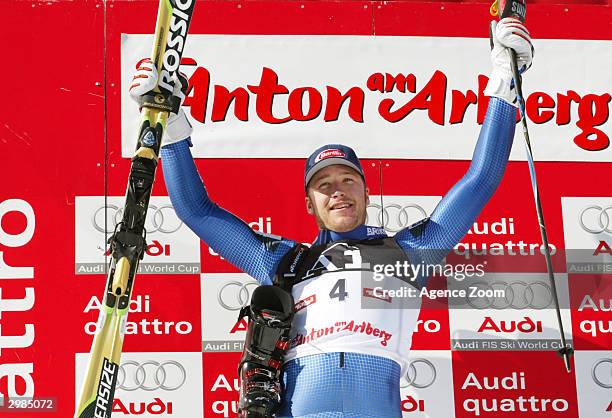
pixel 336 193
pixel 315 322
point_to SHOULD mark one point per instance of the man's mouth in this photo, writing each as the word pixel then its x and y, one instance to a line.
pixel 341 206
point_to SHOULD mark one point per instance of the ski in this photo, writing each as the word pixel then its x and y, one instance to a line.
pixel 128 242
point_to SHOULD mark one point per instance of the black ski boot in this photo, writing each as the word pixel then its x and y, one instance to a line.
pixel 270 314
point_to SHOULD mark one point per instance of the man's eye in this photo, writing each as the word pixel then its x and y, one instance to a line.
pixel 349 180
pixel 324 184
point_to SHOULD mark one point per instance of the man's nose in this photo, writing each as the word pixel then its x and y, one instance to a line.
pixel 338 192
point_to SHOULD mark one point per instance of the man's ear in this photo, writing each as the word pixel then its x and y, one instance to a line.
pixel 309 207
pixel 367 195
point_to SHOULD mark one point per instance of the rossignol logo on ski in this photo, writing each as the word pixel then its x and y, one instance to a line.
pixel 106 389
pixel 179 22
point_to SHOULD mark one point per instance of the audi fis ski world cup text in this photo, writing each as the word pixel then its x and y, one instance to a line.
pixel 171 247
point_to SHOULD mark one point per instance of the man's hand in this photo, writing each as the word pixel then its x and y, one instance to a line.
pixel 145 80
pixel 509 33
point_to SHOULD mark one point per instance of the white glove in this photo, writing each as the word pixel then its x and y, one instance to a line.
pixel 145 80
pixel 508 33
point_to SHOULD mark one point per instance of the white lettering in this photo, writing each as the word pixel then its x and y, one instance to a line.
pixel 23 371
pixel 223 383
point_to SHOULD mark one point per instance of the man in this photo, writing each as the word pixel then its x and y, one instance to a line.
pixel 344 350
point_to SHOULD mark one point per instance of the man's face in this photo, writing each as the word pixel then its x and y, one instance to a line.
pixel 337 196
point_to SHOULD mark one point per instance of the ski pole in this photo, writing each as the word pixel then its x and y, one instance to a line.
pixel 517 9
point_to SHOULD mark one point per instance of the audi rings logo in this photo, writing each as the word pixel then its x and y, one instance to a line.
pixel 516 295
pixel 394 217
pixel 159 219
pixel 151 375
pixel 596 219
pixel 235 295
pixel 602 373
pixel 421 374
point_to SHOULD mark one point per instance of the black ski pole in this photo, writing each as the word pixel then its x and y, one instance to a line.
pixel 517 9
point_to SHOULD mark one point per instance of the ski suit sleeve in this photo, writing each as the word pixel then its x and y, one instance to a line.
pixel 430 240
pixel 254 253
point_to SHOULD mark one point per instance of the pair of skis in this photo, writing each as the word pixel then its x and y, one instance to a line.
pixel 128 242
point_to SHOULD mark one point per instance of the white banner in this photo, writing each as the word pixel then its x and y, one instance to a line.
pixel 282 96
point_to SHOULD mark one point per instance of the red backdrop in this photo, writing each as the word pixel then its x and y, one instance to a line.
pixel 60 138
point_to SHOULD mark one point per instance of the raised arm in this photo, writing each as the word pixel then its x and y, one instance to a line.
pixel 460 207
pixel 252 252
pixel 430 240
